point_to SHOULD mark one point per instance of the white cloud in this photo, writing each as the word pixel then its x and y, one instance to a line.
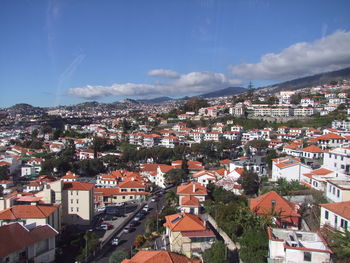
pixel 301 59
pixel 191 83
pixel 165 73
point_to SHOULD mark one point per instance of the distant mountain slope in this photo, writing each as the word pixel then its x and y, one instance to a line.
pixel 224 92
pixel 156 100
pixel 315 80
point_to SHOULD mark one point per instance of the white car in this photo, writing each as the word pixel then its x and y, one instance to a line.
pixel 145 208
pixel 101 209
pixel 115 241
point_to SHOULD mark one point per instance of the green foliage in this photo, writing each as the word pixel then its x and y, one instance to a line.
pixel 194 104
pixel 4 172
pixel 254 245
pixel 151 224
pixel 91 242
pixel 216 254
pixel 283 187
pixel 89 167
pixel 171 198
pixel 118 256
pixel 258 144
pixel 250 182
pixel 271 154
pixel 176 176
pixel 139 241
pixel 101 145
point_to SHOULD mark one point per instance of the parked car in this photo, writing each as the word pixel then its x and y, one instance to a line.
pixel 145 208
pixel 115 241
pixel 128 229
pixel 154 199
pixel 101 209
pixel 106 225
pixel 134 224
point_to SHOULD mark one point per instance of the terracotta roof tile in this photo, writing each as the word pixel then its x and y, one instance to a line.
pixel 159 257
pixel 184 222
pixel 188 189
pixel 79 186
pixel 341 208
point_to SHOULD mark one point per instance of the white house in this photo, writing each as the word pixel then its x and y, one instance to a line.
pixel 288 168
pixel 336 215
pixel 205 177
pixel 338 190
pixel 297 246
pixel 338 159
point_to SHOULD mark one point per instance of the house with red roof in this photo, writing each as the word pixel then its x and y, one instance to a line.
pixel 271 204
pixel 144 256
pixel 70 177
pixel 336 215
pixel 77 203
pixel 188 233
pixel 205 177
pixel 169 141
pixel 317 179
pixel 29 214
pixel 312 152
pixel 115 195
pixel 27 244
pixel 193 189
pixel 330 140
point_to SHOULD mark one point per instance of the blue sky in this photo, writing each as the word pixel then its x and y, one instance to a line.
pixel 66 52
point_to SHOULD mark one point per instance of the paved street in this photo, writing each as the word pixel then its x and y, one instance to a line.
pixel 127 239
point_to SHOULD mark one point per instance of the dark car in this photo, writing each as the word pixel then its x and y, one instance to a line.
pixel 128 229
pixel 134 224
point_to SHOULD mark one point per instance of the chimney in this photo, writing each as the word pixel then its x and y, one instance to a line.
pixel 193 188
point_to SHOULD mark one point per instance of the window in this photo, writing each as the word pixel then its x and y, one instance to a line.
pixel 334 190
pixel 77 209
pixel 330 188
pixel 123 197
pixel 338 192
pixel 71 209
pixel 344 224
pixel 335 220
pixel 326 214
pixel 71 192
pixel 77 201
pixel 307 256
pixel 71 201
pixel 335 164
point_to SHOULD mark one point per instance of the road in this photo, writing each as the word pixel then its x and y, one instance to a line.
pixel 127 239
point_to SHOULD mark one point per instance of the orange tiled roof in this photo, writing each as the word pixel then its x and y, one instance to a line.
pixel 80 186
pixel 340 208
pixel 313 149
pixel 331 136
pixel 188 189
pixel 15 237
pixel 27 211
pixel 226 161
pixel 131 184
pixel 159 257
pixel 263 205
pixel 184 222
pixel 190 200
pixel 321 171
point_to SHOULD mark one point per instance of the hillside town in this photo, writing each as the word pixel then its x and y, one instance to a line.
pixel 251 177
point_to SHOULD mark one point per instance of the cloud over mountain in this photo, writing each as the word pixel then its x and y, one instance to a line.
pixel 165 73
pixel 301 59
pixel 191 83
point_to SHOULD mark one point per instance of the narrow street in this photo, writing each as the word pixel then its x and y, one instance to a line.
pixel 127 239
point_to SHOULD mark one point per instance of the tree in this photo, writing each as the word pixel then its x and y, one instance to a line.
pixel 250 182
pixel 171 198
pixel 118 256
pixel 176 176
pixel 4 172
pixel 254 245
pixel 216 254
pixel 91 242
pixel 139 241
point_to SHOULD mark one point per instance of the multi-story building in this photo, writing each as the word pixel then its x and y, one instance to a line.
pixel 77 203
